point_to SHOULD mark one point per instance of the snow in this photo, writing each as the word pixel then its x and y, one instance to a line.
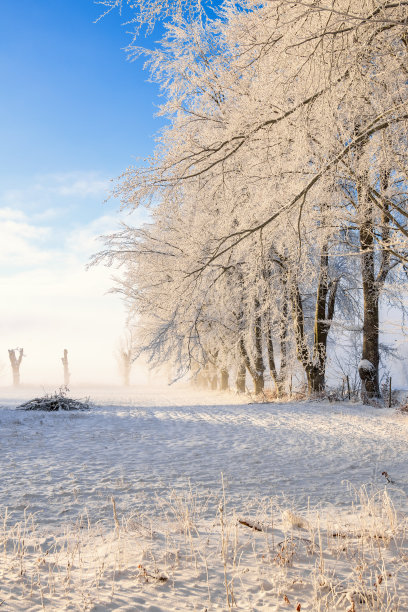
pixel 366 365
pixel 170 459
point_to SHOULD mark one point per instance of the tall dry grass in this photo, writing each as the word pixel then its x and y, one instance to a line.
pixel 199 552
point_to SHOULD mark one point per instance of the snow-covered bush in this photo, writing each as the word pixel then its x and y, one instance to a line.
pixel 56 401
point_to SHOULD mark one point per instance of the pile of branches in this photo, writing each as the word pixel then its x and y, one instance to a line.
pixel 56 401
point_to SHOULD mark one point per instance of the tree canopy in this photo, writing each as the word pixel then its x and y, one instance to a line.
pixel 277 190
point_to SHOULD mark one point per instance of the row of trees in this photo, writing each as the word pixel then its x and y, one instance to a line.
pixel 125 354
pixel 278 190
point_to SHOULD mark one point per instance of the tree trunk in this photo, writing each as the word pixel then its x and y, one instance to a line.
pixel 316 371
pixel 302 351
pixel 15 364
pixel 241 378
pixel 277 378
pixel 224 379
pixel 259 384
pixel 258 377
pixel 64 360
pixel 315 380
pixel 16 376
pixel 126 366
pixel 200 380
pixel 371 284
pixel 371 338
pixel 315 364
pixel 370 297
pixel 283 339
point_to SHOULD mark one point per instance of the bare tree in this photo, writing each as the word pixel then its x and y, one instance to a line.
pixel 125 356
pixel 15 363
pixel 67 373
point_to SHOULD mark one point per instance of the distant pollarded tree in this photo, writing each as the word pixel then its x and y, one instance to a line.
pixel 15 363
pixel 125 356
pixel 67 373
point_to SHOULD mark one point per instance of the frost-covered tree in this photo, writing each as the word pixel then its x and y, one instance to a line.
pixel 285 153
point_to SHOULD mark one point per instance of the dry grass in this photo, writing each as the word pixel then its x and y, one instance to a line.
pixel 203 554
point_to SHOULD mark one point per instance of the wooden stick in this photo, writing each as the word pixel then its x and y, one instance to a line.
pixel 250 525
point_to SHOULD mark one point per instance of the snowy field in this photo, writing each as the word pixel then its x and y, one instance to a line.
pixel 168 499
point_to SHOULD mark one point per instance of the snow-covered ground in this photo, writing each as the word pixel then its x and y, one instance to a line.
pixel 137 504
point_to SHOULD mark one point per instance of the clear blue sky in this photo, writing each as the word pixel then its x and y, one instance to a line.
pixel 69 99
pixel 74 113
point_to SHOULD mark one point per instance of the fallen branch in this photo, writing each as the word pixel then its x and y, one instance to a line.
pixel 250 525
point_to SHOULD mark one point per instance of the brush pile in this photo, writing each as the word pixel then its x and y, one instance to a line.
pixel 56 401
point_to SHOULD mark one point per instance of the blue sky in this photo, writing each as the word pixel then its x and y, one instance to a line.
pixel 70 102
pixel 74 114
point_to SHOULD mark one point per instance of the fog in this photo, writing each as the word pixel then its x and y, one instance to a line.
pixel 96 366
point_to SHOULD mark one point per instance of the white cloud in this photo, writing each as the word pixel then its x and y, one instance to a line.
pixel 51 302
pixel 10 214
pixel 49 228
pixel 49 214
pixel 20 241
pixel 42 193
pixel 47 311
pixel 77 184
